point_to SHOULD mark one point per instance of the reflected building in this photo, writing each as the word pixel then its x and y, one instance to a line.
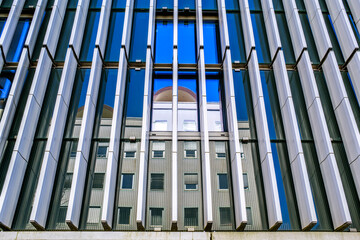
pixel 212 117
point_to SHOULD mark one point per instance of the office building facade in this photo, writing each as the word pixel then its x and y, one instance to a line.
pixel 180 115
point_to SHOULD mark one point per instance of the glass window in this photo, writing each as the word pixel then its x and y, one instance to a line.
pixel 127 180
pixel 157 181
pixel 186 4
pixel 41 35
pixel 237 45
pixel 189 125
pixel 124 215
pixel 225 216
pixel 209 4
pixel 285 38
pixel 255 5
pixel 249 216
pixel 98 180
pixel 88 43
pixel 62 214
pixel 190 153
pixel 240 96
pixel 187 102
pixel 158 154
pixel 18 40
pixel 169 4
pixel 68 181
pixel 102 152
pixel 212 43
pixel 223 181
pixel 135 93
pixel 191 217
pixel 6 78
pixel 186 42
pixel 164 41
pixel 119 4
pixel 94 215
pixel 310 42
pixel 139 34
pixel 113 43
pixel 64 36
pixel 214 104
pixel 156 216
pixel 334 39
pixel 261 44
pixel 246 181
pixel 130 154
pixel 95 3
pixel 191 181
pixel 107 93
pixel 232 5
pixel 160 125
pixel 142 4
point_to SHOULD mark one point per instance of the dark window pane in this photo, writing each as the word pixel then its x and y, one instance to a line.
pixel 246 181
pixel 240 100
pixel 334 39
pixel 64 37
pixel 6 3
pixel 209 4
pixel 211 42
pixel 186 42
pixel 139 37
pixel 95 3
pixel 157 181
pixel 255 5
pixel 135 93
pixel 249 216
pixel 310 42
pixel 98 180
pixel 130 154
pixel 156 216
pixel 88 44
pixel 164 41
pixel 41 36
pixel 169 4
pixel 225 216
pixel 68 181
pixel 221 155
pixel 127 180
pixel 18 40
pixel 113 43
pixel 109 96
pixel 223 181
pixel 191 217
pixel 158 154
pixel 261 44
pixel 102 152
pixel 190 153
pixel 62 214
pixel 285 38
pixel 191 181
pixel 124 215
pixel 237 45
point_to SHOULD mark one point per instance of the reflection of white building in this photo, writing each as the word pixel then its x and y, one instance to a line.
pixel 187 111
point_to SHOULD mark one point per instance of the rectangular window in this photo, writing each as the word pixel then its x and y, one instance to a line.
pixel 127 180
pixel 249 216
pixel 18 40
pixel 98 180
pixel 62 214
pixel 246 181
pixel 124 215
pixel 189 125
pixel 220 149
pixel 158 154
pixel 157 181
pixel 94 215
pixel 139 36
pixel 164 41
pixel 88 43
pixel 112 51
pixel 191 217
pixel 190 153
pixel 211 45
pixel 225 216
pixel 68 180
pixel 130 154
pixel 102 152
pixel 223 181
pixel 156 216
pixel 158 149
pixel 191 181
pixel 186 42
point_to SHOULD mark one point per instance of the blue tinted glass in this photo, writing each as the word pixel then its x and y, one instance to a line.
pixel 223 181
pixel 111 78
pixel 261 44
pixel 118 3
pixel 88 44
pixel 2 24
pixel 113 43
pixel 18 40
pixel 139 36
pixel 240 100
pixel 209 5
pixel 164 41
pixel 64 37
pixel 232 5
pixel 135 93
pixel 95 3
pixel 279 179
pixel 164 3
pixel 285 38
pixel 160 83
pixel 5 83
pixel 189 84
pixel 212 90
pixel 211 44
pixel 278 6
pixel 127 181
pixel 85 75
pixel 269 117
pixel 254 5
pixel 237 45
pixel 142 4
pixel 72 3
pixel 186 42
pixel 187 4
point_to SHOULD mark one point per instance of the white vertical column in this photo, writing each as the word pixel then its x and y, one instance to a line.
pixel 324 149
pixel 355 11
pixel 20 75
pixel 52 151
pixel 262 130
pixel 351 53
pixel 19 159
pixel 339 99
pixel 9 29
pixel 300 176
pixel 116 125
pixel 205 148
pixel 174 172
pixel 235 151
pixel 144 145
